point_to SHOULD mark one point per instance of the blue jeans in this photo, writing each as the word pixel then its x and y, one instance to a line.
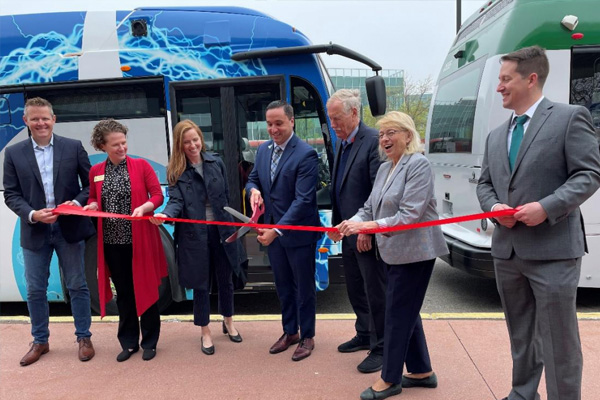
pixel 37 272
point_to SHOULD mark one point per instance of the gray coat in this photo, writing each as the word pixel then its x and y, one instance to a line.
pixel 406 198
pixel 557 165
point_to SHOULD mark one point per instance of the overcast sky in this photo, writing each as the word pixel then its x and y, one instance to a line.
pixel 398 34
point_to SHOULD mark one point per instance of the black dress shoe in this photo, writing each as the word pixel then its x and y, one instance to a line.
pixel 209 351
pixel 429 382
pixel 371 394
pixel 373 363
pixel 126 353
pixel 355 344
pixel 237 338
pixel 148 354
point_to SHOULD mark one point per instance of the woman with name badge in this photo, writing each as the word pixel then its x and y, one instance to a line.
pixel 198 190
pixel 402 194
pixel 129 252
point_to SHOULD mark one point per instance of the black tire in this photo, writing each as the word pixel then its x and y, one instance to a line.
pixel 91 275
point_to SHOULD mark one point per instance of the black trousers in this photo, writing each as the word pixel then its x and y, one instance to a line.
pixel 366 279
pixel 404 336
pixel 119 259
pixel 217 259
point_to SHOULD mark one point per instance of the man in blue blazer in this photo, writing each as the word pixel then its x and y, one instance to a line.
pixel 354 169
pixel 285 177
pixel 545 162
pixel 40 173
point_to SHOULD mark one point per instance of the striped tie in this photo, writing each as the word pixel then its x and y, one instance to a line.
pixel 275 160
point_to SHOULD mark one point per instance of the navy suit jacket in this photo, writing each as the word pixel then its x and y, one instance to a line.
pixel 358 176
pixel 24 191
pixel 291 199
pixel 187 199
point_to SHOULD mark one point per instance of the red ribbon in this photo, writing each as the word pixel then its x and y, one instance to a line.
pixel 64 209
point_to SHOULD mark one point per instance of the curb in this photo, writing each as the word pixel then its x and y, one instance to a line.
pixel 589 316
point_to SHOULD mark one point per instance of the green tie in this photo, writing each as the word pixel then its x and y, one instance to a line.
pixel 517 138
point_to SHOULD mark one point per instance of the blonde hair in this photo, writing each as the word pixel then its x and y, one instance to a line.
pixel 178 162
pixel 402 121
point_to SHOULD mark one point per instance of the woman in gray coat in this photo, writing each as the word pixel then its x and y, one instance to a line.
pixel 402 194
pixel 198 190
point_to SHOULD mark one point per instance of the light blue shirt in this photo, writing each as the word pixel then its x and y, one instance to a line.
pixel 282 147
pixel 44 155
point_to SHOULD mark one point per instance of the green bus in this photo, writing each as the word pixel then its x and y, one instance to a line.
pixel 465 108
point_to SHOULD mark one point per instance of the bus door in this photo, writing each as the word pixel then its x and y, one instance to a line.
pixel 585 91
pixel 231 115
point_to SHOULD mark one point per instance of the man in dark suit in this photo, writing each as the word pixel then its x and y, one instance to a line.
pixel 286 172
pixel 355 167
pixel 544 161
pixel 40 173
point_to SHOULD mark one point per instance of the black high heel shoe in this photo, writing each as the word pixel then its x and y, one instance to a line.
pixel 237 338
pixel 209 351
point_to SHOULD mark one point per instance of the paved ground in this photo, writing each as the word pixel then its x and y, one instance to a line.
pixel 470 356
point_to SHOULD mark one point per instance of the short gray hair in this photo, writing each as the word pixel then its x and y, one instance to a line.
pixel 350 98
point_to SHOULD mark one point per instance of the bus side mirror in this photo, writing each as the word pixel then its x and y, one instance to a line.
pixel 375 86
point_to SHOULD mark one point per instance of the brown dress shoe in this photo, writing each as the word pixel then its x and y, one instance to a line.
pixel 304 349
pixel 34 353
pixel 86 349
pixel 284 342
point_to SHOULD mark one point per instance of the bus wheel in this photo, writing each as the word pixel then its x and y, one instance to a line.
pixel 91 275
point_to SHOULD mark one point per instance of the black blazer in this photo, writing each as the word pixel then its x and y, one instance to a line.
pixel 24 191
pixel 358 176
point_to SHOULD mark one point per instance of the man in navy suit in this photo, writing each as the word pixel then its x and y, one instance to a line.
pixel 355 167
pixel 40 173
pixel 286 172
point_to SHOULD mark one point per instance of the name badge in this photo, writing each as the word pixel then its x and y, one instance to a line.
pixel 98 178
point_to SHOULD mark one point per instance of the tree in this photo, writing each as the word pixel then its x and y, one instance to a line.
pixel 413 98
pixel 416 101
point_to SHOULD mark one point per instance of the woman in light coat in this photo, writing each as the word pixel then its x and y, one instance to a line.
pixel 402 194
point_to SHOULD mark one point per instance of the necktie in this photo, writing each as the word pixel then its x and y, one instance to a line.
pixel 275 160
pixel 517 138
pixel 341 168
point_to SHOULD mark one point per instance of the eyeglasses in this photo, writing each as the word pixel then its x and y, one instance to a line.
pixel 388 134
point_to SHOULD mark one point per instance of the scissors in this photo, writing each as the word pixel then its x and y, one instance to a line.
pixel 258 211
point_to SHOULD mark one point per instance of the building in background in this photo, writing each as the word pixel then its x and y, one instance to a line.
pixel 354 78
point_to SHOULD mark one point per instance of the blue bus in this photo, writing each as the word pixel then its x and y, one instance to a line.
pixel 150 68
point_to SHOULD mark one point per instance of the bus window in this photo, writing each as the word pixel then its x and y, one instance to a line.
pixel 203 106
pixel 250 108
pixel 453 112
pixel 310 124
pixel 231 114
pixel 138 103
pixel 585 80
